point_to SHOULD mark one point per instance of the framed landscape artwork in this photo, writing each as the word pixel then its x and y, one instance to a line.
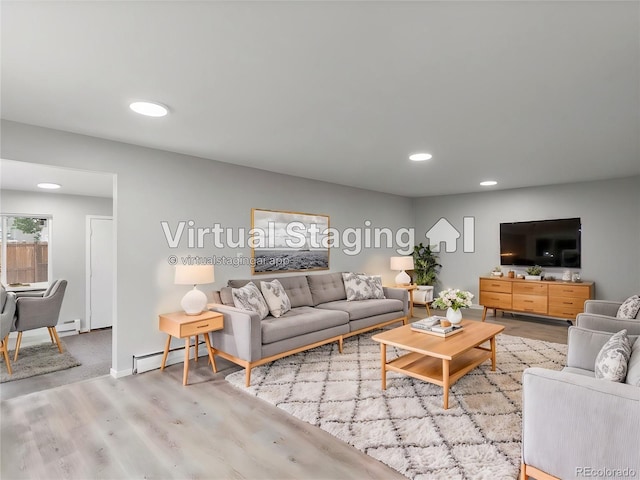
pixel 288 241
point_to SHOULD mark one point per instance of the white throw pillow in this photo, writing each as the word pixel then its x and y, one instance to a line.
pixel 613 358
pixel 249 298
pixel 276 297
pixel 629 308
pixel 362 287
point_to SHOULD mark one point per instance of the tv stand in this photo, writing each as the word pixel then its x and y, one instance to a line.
pixel 555 299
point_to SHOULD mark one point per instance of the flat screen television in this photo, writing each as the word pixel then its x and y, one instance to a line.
pixel 548 243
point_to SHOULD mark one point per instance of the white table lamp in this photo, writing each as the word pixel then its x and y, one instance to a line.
pixel 402 264
pixel 195 301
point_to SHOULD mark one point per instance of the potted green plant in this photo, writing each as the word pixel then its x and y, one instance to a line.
pixel 426 269
pixel 533 273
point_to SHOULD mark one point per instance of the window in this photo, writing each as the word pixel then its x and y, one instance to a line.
pixel 25 249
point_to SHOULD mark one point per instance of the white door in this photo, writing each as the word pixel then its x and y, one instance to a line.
pixel 99 272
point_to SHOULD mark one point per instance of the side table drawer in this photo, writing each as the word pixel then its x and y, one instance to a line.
pixel 200 326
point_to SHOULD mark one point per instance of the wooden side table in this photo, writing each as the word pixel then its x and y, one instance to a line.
pixel 410 289
pixel 181 325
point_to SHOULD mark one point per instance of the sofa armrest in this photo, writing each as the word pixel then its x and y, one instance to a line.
pixel 606 323
pixel 571 423
pixel 398 294
pixel 602 307
pixel 241 335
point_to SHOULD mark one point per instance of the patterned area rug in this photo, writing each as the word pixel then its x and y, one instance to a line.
pixel 405 427
pixel 37 360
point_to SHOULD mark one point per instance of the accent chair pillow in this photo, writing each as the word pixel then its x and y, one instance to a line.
pixel 629 308
pixel 277 299
pixel 362 287
pixel 249 298
pixel 613 358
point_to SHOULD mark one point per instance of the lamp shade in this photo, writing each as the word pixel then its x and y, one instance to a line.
pixel 195 301
pixel 194 274
pixel 401 263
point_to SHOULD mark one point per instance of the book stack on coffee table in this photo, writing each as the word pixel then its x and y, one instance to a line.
pixel 433 326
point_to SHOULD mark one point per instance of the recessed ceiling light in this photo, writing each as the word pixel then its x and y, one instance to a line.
pixel 150 109
pixel 420 157
pixel 49 186
pixel 488 183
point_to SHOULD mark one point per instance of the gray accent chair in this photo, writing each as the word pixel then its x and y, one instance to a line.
pixel 574 424
pixel 8 308
pixel 39 310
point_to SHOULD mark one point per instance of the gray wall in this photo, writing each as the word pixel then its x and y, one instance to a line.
pixel 152 186
pixel 68 241
pixel 610 213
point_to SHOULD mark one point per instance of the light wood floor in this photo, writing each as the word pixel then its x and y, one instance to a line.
pixel 150 426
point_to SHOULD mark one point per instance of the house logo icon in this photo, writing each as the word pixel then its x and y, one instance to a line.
pixel 444 232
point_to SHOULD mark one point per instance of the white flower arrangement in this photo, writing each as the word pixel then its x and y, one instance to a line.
pixel 453 298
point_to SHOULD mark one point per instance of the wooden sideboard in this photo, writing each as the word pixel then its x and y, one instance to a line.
pixel 555 299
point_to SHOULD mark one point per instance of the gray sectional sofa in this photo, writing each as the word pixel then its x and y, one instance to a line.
pixel 320 314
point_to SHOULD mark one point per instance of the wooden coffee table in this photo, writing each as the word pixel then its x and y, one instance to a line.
pixel 438 360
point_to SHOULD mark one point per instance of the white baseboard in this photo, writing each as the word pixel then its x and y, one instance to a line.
pixel 153 361
pixel 120 373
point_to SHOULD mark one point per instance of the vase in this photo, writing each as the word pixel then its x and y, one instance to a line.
pixel 454 316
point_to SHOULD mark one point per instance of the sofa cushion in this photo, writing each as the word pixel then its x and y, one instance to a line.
pixel 327 287
pixel 579 371
pixel 249 298
pixel 296 287
pixel 362 287
pixel 226 298
pixel 612 360
pixel 276 297
pixel 633 367
pixel 629 308
pixel 365 308
pixel 299 321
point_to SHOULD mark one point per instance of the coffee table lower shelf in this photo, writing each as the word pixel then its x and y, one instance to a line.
pixel 441 372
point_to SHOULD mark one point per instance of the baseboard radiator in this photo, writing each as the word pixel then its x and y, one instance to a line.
pixel 153 361
pixel 72 326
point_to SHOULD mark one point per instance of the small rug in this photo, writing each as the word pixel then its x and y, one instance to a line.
pixel 405 427
pixel 37 360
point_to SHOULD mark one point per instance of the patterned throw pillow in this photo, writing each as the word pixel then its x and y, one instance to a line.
pixel 612 360
pixel 362 287
pixel 629 308
pixel 249 298
pixel 276 297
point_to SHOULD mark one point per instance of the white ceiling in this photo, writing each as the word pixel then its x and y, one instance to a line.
pixel 526 93
pixel 26 176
